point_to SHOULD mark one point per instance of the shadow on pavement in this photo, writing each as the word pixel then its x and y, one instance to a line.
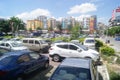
pixel 41 74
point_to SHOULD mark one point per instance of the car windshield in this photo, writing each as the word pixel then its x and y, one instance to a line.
pixel 71 73
pixel 90 41
pixel 16 44
pixel 82 46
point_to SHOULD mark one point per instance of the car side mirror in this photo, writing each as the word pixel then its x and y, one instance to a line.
pixel 79 50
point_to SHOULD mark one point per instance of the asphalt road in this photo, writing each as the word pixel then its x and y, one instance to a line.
pixel 113 43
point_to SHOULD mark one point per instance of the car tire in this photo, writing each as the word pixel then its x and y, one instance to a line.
pixel 56 58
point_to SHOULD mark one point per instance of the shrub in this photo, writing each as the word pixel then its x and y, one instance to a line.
pixel 81 40
pixel 105 50
pixel 98 44
pixel 114 76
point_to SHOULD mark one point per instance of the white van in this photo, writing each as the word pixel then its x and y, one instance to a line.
pixel 36 44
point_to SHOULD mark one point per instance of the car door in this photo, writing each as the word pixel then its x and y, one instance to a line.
pixel 25 63
pixel 75 51
pixel 63 50
pixel 37 45
pixel 72 50
pixel 37 59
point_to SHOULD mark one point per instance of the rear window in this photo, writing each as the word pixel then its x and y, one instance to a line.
pixel 90 41
pixel 71 73
pixel 63 46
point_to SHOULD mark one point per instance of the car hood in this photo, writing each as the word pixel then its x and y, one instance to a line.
pixel 92 51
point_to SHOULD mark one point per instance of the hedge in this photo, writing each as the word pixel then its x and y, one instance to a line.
pixel 106 50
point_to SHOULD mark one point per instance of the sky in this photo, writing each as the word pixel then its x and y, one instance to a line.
pixel 30 9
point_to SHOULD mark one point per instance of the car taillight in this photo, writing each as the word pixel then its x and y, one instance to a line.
pixel 2 73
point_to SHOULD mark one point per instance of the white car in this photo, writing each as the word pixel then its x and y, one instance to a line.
pixel 90 43
pixel 61 50
pixel 12 46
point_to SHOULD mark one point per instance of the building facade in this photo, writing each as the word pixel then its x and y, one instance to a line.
pixel 115 19
pixel 34 24
pixel 43 19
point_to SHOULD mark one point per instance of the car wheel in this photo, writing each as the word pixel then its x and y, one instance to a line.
pixel 56 58
pixel 46 65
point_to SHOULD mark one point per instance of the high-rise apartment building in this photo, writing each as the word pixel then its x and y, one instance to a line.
pixel 43 19
pixel 51 23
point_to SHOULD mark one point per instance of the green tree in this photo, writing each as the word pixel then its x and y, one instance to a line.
pixel 4 26
pixel 75 32
pixel 16 24
pixel 39 28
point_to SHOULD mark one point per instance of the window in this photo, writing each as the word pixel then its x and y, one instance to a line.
pixel 34 55
pixel 74 72
pixel 42 41
pixel 31 41
pixel 36 42
pixel 2 44
pixel 25 41
pixel 72 47
pixel 90 41
pixel 7 45
pixel 63 46
pixel 23 58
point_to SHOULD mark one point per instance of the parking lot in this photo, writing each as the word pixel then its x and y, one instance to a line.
pixel 45 74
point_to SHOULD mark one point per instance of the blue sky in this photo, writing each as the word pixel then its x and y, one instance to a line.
pixel 30 9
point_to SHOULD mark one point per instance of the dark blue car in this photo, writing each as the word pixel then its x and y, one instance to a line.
pixel 14 65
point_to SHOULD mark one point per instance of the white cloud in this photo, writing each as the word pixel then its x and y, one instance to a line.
pixel 83 8
pixel 33 14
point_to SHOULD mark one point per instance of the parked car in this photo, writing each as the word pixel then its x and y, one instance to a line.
pixel 62 50
pixel 36 44
pixel 16 40
pixel 12 46
pixel 75 69
pixel 89 42
pixel 74 41
pixel 17 64
pixel 117 37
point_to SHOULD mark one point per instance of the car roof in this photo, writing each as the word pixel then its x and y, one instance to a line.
pixel 18 52
pixel 89 38
pixel 77 62
pixel 32 39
